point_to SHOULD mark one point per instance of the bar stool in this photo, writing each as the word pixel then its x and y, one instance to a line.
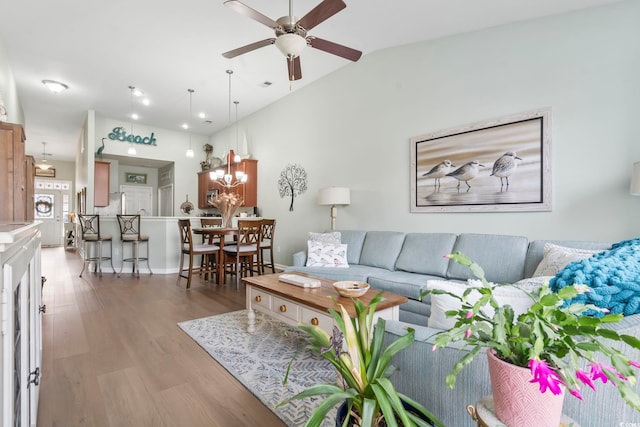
pixel 91 237
pixel 266 244
pixel 130 233
pixel 188 248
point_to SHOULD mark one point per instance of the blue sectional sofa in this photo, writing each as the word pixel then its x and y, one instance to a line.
pixel 402 263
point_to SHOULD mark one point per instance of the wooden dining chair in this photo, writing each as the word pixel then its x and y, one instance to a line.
pixel 239 256
pixel 188 248
pixel 266 244
pixel 210 239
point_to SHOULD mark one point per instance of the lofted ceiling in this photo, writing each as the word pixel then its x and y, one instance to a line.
pixel 100 48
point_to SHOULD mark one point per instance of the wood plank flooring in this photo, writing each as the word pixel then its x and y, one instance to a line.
pixel 113 355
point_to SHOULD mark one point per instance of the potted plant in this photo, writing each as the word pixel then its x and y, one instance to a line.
pixel 362 362
pixel 558 348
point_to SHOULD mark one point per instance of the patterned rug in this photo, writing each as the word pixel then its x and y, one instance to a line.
pixel 259 360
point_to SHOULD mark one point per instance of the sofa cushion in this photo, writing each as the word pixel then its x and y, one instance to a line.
pixel 353 272
pixel 381 249
pixel 330 237
pixel 354 240
pixel 410 285
pixel 535 252
pixel 557 257
pixel 517 298
pixel 501 256
pixel 322 254
pixel 423 253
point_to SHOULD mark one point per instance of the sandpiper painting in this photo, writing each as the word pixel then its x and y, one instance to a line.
pixel 496 165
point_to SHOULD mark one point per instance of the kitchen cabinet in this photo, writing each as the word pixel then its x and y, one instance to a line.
pixel 21 312
pixel 101 176
pixel 16 179
pixel 248 191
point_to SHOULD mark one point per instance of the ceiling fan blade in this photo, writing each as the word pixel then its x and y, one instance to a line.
pixel 334 48
pixel 251 13
pixel 248 48
pixel 294 69
pixel 320 13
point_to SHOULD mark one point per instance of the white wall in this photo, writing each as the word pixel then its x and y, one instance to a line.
pixel 170 146
pixel 353 127
pixel 8 91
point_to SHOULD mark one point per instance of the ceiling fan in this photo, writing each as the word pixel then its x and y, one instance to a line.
pixel 291 34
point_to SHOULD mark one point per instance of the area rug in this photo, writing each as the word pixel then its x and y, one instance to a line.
pixel 259 360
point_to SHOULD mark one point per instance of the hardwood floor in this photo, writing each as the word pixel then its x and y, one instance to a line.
pixel 114 356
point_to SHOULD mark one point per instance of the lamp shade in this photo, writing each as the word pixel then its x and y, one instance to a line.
pixel 291 45
pixel 635 180
pixel 334 196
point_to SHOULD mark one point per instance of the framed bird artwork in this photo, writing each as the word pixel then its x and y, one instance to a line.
pixel 496 165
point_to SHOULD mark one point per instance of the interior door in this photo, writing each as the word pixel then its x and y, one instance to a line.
pixel 48 209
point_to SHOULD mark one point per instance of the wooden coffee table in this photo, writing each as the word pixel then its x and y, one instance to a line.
pixel 294 304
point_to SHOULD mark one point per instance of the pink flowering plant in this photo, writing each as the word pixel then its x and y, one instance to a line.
pixel 555 341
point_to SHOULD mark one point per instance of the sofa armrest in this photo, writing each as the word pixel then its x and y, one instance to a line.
pixel 300 259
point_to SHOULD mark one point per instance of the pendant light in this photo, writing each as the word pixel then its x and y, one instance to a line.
pixel 237 158
pixel 132 150
pixel 222 177
pixel 190 150
pixel 44 165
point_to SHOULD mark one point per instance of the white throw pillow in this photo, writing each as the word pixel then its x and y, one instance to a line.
pixel 557 257
pixel 333 237
pixel 518 299
pixel 326 255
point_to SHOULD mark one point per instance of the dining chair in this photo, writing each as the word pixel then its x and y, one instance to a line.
pixel 266 244
pixel 93 239
pixel 240 254
pixel 188 248
pixel 130 233
pixel 210 239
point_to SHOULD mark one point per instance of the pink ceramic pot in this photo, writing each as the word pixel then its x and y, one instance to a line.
pixel 519 403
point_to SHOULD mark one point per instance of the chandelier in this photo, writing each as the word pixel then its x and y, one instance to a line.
pixel 226 179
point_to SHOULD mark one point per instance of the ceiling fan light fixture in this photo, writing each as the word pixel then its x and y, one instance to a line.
pixel 291 45
pixel 54 86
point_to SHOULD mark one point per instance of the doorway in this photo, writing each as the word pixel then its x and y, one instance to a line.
pixel 48 209
pixel 165 200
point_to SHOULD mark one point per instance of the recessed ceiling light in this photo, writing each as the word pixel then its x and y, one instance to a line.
pixel 185 126
pixel 146 101
pixel 54 86
pixel 202 115
pixel 137 92
pixel 134 116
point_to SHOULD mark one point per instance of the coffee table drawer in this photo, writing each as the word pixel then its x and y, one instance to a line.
pixel 260 299
pixel 285 308
pixel 323 320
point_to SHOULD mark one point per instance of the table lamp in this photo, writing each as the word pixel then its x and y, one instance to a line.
pixel 334 196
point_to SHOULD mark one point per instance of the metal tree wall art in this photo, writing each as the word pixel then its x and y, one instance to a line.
pixel 292 182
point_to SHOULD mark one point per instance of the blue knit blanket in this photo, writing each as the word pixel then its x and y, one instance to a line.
pixel 613 276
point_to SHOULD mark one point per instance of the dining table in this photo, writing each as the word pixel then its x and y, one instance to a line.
pixel 222 233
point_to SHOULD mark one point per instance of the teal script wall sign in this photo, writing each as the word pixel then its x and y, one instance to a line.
pixel 119 134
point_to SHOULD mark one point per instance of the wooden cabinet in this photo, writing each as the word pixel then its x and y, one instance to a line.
pixel 21 312
pixel 248 191
pixel 16 178
pixel 101 179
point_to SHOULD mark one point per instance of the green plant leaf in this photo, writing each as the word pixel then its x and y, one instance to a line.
pixel 424 411
pixel 631 340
